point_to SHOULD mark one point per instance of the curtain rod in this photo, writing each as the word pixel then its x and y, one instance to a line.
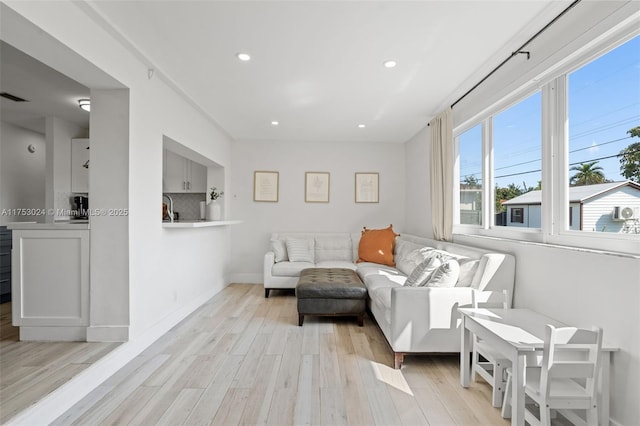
pixel 518 51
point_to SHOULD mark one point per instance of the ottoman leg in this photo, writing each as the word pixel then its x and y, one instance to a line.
pixel 300 319
pixel 361 320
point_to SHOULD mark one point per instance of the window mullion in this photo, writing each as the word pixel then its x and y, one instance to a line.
pixel 487 171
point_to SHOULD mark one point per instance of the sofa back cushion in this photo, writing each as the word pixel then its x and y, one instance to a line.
pixel 409 255
pixel 333 247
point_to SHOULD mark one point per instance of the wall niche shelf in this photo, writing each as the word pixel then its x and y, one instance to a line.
pixel 199 223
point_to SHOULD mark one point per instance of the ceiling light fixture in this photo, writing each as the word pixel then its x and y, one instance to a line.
pixel 390 63
pixel 85 104
pixel 275 123
pixel 244 57
pixel 362 126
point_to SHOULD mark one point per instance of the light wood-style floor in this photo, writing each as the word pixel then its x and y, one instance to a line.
pixel 242 359
pixel 31 370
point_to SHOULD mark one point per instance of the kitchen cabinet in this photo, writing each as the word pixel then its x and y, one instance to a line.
pixel 182 175
pixel 80 165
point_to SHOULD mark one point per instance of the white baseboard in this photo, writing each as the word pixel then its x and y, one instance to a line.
pixel 108 334
pixel 53 334
pixel 247 278
pixel 66 396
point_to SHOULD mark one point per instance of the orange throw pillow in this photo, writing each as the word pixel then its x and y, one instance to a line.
pixel 376 245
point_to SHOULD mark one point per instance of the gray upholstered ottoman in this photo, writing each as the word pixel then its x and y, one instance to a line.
pixel 331 292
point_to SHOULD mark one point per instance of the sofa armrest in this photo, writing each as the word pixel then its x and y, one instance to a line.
pixel 269 261
pixel 416 311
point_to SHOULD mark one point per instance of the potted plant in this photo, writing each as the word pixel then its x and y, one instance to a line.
pixel 214 209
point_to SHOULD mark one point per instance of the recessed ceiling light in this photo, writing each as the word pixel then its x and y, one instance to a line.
pixel 244 57
pixel 390 63
pixel 275 123
pixel 85 104
pixel 362 126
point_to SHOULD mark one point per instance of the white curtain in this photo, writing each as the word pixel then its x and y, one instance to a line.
pixel 441 171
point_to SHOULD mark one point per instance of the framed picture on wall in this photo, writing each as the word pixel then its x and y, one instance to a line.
pixel 367 190
pixel 316 187
pixel 265 186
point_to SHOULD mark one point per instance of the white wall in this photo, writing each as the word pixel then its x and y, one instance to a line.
pixel 168 273
pixel 22 173
pixel 418 203
pixel 291 213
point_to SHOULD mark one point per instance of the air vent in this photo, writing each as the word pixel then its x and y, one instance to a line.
pixel 14 98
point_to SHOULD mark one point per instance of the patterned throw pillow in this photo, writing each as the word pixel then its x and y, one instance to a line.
pixel 409 261
pixel 423 271
pixel 299 250
pixel 446 275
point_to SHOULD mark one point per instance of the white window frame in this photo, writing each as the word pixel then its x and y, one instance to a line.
pixel 555 227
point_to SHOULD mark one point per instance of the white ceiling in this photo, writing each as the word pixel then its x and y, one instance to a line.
pixel 316 66
pixel 48 92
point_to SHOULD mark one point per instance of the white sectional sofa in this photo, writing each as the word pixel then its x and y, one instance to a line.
pixel 413 319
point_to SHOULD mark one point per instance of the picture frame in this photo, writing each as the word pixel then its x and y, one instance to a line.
pixel 367 187
pixel 316 187
pixel 265 186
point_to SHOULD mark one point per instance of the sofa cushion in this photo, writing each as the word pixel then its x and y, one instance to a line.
pixel 445 275
pixel 367 268
pixel 300 250
pixel 376 245
pixel 333 247
pixel 404 247
pixel 336 264
pixel 279 248
pixel 290 269
pixel 373 282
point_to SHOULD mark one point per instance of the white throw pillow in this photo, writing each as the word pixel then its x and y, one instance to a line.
pixel 423 271
pixel 468 268
pixel 446 275
pixel 280 250
pixel 299 250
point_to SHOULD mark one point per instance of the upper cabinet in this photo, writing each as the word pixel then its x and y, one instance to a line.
pixel 182 175
pixel 80 165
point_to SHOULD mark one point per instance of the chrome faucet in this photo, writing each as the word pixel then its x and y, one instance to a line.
pixel 170 209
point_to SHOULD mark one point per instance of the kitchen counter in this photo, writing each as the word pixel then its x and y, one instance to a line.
pixel 198 223
pixel 50 280
pixel 58 225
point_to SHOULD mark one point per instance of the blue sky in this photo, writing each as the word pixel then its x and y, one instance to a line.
pixel 604 102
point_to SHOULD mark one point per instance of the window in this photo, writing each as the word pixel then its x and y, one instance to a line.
pixel 517 214
pixel 517 155
pixel 587 148
pixel 603 109
pixel 470 160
